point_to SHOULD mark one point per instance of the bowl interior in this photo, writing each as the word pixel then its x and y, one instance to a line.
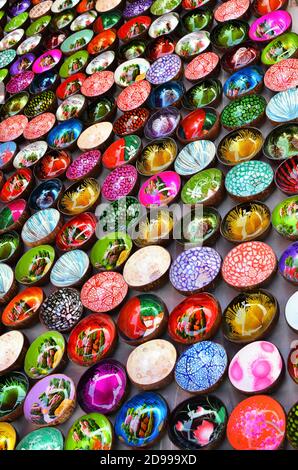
pixel 45 195
pixel 35 264
pixel 9 243
pixel 79 197
pixel 70 268
pixel 166 95
pixel 44 354
pixel 239 146
pixel 198 226
pixel 23 306
pixel 197 124
pixel 286 176
pixel 202 186
pixel 76 232
pixel 153 227
pixel 280 143
pixel 203 93
pixel 111 251
pixel 157 156
pixel 40 225
pixel 162 123
pixel 194 157
pixel 52 165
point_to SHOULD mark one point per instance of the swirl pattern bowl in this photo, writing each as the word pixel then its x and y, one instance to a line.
pixel 283 107
pixel 195 157
pixel 70 269
pixel 286 176
pixel 42 227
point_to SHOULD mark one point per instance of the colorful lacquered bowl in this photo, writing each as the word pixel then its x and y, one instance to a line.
pixel 250 181
pixel 59 392
pixel 284 218
pixel 159 47
pixel 244 55
pixel 229 34
pixel 41 228
pixel 30 154
pixel 164 69
pixel 70 85
pixel 286 176
pixel 205 187
pixel 13 215
pixel 154 228
pixel 10 247
pixel 42 439
pixel 133 96
pixel 195 270
pixel 145 405
pixel 122 151
pixel 142 318
pixel 95 137
pixel 283 106
pixel 13 347
pixel 104 61
pixel 198 227
pixel 101 109
pixel 163 25
pixel 53 165
pixel 20 82
pixel 46 194
pixel 131 122
pixel 14 387
pixel 157 156
pixel 280 142
pixel 161 7
pixel 47 61
pixel 121 182
pixel 71 269
pixel 167 94
pixel 79 197
pixel 244 82
pixel 197 20
pixel 245 222
pixel 292 364
pixel 147 268
pixel 99 438
pixel 76 41
pixel 195 319
pixel 85 165
pixel 92 339
pixel 270 26
pixel 232 11
pixel 280 48
pixel 200 124
pixel 250 316
pixel 291 317
pixel 195 157
pixel 12 128
pixel 261 7
pixel 41 103
pixel 7 152
pixel 163 123
pixel 44 82
pixel 19 184
pixel 65 134
pixel 131 71
pixel 132 50
pixel 22 310
pixel 77 232
pixel 34 266
pixel 111 251
pixel 103 387
pixel 249 265
pixel 292 426
pixel 192 44
pixel 45 355
pixel 104 291
pixel 61 310
pixel 120 215
pixel 14 104
pixel 206 92
pixel 287 263
pixel 72 107
pixel 160 190
pixel 73 64
pixel 282 76
pixel 240 145
pixel 244 111
pixel 134 28
pixel 201 368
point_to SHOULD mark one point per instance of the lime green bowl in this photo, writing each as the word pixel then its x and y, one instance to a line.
pixel 34 266
pixel 111 251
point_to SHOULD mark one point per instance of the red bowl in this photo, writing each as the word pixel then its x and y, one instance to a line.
pixel 70 86
pixel 104 292
pixel 134 96
pixel 102 42
pixel 134 28
pixel 98 84
pixel 131 122
pixel 17 185
pixel 53 165
pixel 77 232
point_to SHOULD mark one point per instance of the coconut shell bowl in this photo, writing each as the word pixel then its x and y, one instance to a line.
pixel 199 124
pixel 288 263
pixel 71 269
pixel 13 216
pixel 250 181
pixel 167 94
pixel 111 251
pixel 284 217
pixel 34 266
pixel 239 146
pixel 157 156
pixel 46 194
pixel 195 157
pixel 205 187
pixel 79 197
pixel 22 311
pixel 7 283
pixel 199 227
pixel 14 387
pixel 77 232
pixel 286 176
pixel 154 228
pixel 42 227
pixel 163 123
pixel 10 247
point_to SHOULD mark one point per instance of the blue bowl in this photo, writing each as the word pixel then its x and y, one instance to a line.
pixel 243 82
pixel 167 94
pixel 65 134
pixel 46 194
pixel 43 81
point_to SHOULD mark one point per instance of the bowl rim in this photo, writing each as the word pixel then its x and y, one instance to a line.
pixel 229 135
pixel 157 141
pixel 283 162
pixel 181 241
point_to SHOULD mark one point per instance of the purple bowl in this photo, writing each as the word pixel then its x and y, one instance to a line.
pixel 136 8
pixel 288 263
pixel 20 82
pixel 164 69
pixel 120 182
pixel 162 124
pixel 102 388
pixel 23 63
pixel 195 270
pixel 19 7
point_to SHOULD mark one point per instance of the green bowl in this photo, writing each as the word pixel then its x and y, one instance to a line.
pixel 42 439
pixel 284 218
pixel 34 266
pixel 14 387
pixel 45 355
pixel 111 251
pixel 282 47
pixel 206 187
pixel 39 26
pixel 14 105
pixel 74 64
pixel 9 246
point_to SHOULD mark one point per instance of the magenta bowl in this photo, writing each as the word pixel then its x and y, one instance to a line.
pixel 269 26
pixel 47 61
pixel 120 182
pixel 85 165
pixel 160 190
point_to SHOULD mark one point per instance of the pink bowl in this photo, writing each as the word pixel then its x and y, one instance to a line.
pixel 160 190
pixel 120 182
pixel 47 61
pixel 269 26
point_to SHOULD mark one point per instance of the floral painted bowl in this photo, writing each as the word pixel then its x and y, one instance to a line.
pixel 282 76
pixel 157 156
pixel 262 7
pixel 229 34
pixel 164 69
pixel 74 64
pixel 194 21
pixel 286 176
pixel 160 190
pixel 46 194
pixel 122 151
pixel 107 20
pixel 79 197
pixel 77 232
pixel 41 103
pixel 61 5
pixel 195 270
pixel 240 146
pixel 249 265
pixel 13 215
pixel 104 292
pixel 163 25
pixel 147 268
pixel 52 388
pixel 44 82
pixel 76 41
pixel 41 228
pixel 195 319
pixel 46 355
pixel 232 10
pixel 34 266
pixel 250 316
pixel 54 39
pixel 244 111
pixel 47 61
pixel 132 50
pixel 22 311
pixel 84 166
pixel 131 122
pixel 120 215
pixel 14 104
pixel 8 288
pixel 280 143
pixel 167 94
pixel 19 184
pixel 162 45
pixel 61 310
pixel 283 107
pixel 136 28
pixel 284 218
pixel 39 127
pixel 65 134
pixel 240 56
pixel 133 96
pixel 270 26
pixel 131 71
pixel 199 124
pixel 101 109
pixel 102 42
pixel 154 228
pixel 30 45
pixel 205 187
pixel 97 136
pixel 8 151
pixel 280 48
pixel 40 9
pixel 287 264
pixel 14 387
pixel 163 123
pixel 30 154
pixel 195 157
pixel 104 61
pixel 121 182
pixel 244 82
pixel 250 181
pixel 53 164
pixel 10 247
pixel 72 107
pixel 204 93
pixel 71 269
pixel 99 423
pixel 103 330
pixel 192 44
pixel 70 86
pixel 161 7
pixel 85 20
pixel 198 227
pixel 111 251
pixel 245 222
pixel 103 387
pixel 12 128
pixel 144 404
